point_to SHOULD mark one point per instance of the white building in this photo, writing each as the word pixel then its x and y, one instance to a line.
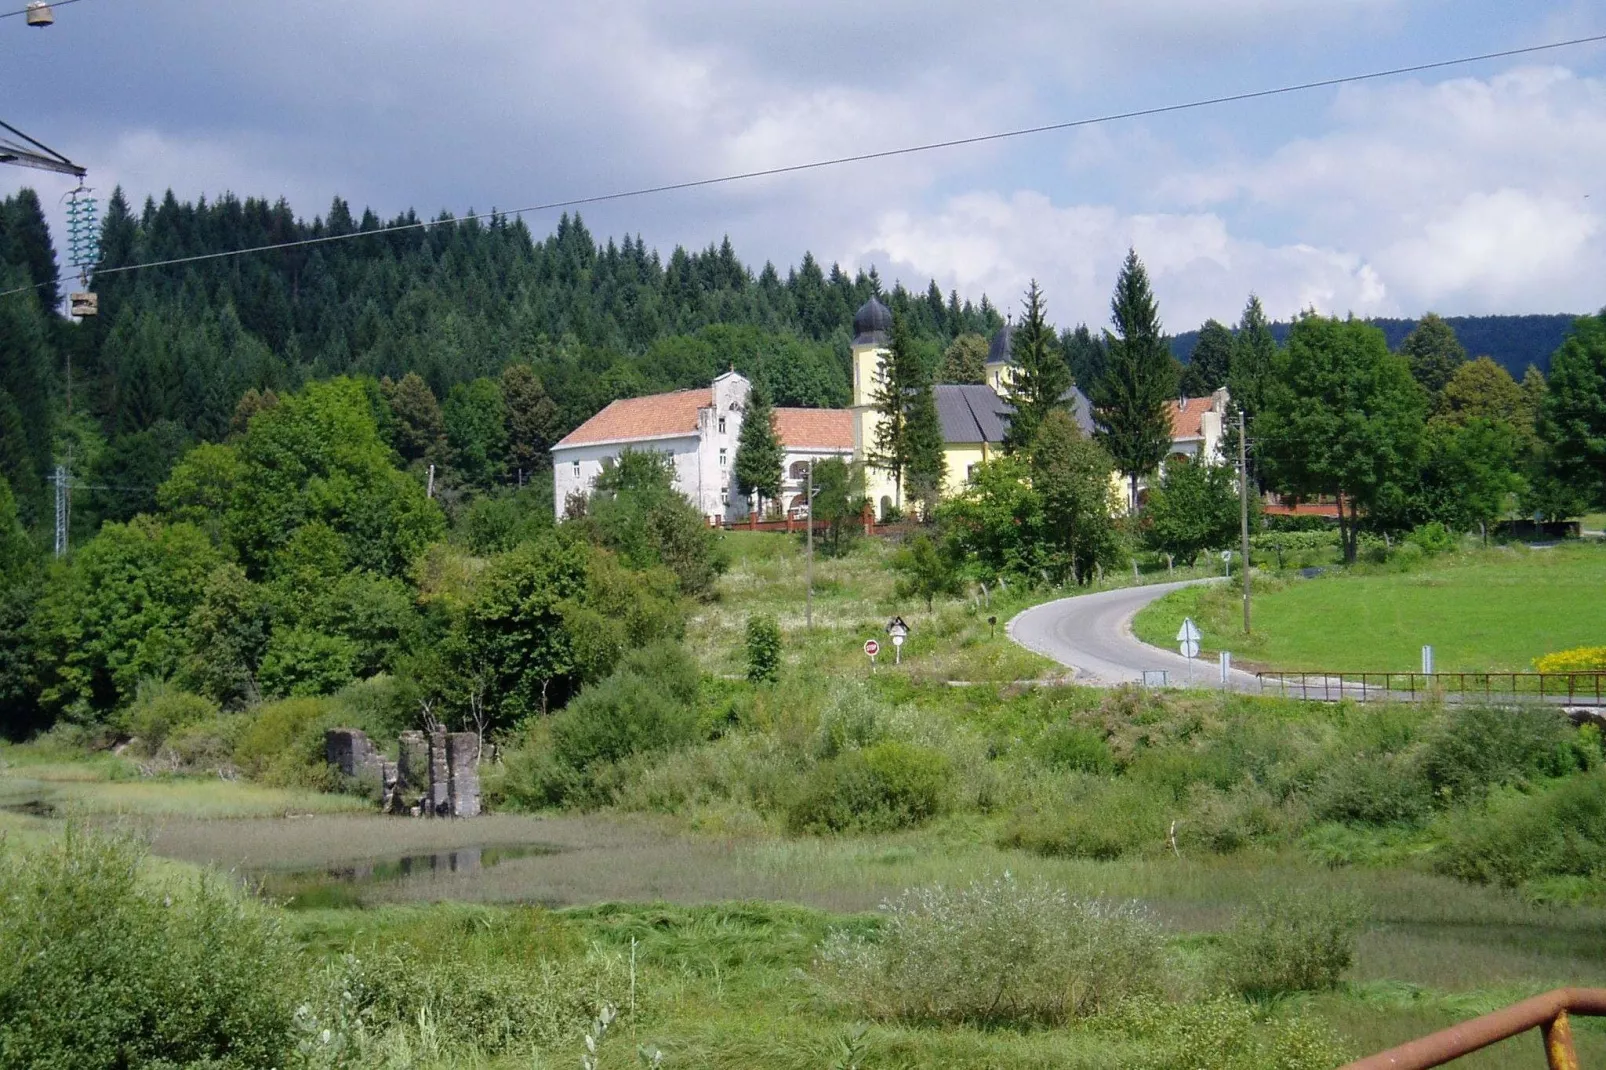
pixel 697 429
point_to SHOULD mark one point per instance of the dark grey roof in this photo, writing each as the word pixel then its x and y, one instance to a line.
pixel 970 412
pixel 872 323
pixel 1001 351
pixel 1081 409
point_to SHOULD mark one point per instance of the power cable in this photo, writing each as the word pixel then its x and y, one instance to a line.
pixel 838 161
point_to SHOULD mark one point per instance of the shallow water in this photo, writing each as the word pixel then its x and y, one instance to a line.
pixel 342 885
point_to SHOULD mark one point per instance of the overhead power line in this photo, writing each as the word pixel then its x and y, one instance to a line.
pixel 864 157
pixel 23 11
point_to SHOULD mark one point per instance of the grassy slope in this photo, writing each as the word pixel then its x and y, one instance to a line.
pixel 1487 610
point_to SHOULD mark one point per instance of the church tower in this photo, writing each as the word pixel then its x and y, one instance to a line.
pixel 872 328
pixel 1000 366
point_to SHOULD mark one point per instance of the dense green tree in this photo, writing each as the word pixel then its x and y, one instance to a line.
pixel 1482 389
pixel 126 476
pixel 476 418
pixel 908 440
pixel 1040 376
pixel 995 523
pixel 317 457
pixel 1471 471
pixel 925 570
pixel 1252 369
pixel 964 360
pixel 1434 353
pixel 16 549
pixel 635 511
pixel 1211 363
pixel 757 471
pixel 200 488
pixel 1193 508
pixel 1346 418
pixel 419 429
pixel 532 421
pixel 228 636
pixel 117 612
pixel 1085 355
pixel 1573 417
pixel 1132 401
pixel 1071 474
pixel 839 502
pixel 25 240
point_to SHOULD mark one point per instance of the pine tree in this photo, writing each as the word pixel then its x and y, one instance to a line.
pixel 532 420
pixel 965 360
pixel 1251 376
pixel 1040 377
pixel 1132 401
pixel 420 429
pixel 928 464
pixel 759 453
pixel 1211 362
pixel 1085 356
pixel 904 447
pixel 1434 354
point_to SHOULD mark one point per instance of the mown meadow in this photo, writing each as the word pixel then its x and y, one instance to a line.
pixel 951 862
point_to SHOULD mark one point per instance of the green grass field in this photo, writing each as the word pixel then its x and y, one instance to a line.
pixel 1486 610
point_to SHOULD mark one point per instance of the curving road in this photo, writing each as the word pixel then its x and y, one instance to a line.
pixel 1092 633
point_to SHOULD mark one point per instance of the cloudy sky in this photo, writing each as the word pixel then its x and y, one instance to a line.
pixel 1471 190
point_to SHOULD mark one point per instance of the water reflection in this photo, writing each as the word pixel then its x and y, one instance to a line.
pixel 341 885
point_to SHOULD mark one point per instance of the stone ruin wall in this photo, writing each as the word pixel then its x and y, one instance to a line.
pixel 436 774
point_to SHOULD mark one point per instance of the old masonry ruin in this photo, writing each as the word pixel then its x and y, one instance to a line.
pixel 436 774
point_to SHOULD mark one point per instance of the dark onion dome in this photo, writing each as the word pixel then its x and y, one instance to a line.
pixel 872 323
pixel 1000 352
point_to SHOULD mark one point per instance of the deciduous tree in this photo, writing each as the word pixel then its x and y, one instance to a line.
pixel 1573 417
pixel 964 360
pixel 1071 474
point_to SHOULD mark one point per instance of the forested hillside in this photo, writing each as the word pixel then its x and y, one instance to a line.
pixel 1513 342
pixel 175 348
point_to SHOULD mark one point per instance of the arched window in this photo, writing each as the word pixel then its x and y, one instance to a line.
pixel 800 470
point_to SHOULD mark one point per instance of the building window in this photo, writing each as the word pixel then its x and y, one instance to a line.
pixel 722 425
pixel 970 471
pixel 576 469
pixel 722 453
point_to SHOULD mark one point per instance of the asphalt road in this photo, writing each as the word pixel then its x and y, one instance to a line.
pixel 1092 633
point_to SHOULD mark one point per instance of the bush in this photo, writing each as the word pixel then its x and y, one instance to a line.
pixel 1227 1034
pixel 1371 790
pixel 160 709
pixel 1476 748
pixel 303 662
pixel 996 951
pixel 763 649
pixel 1433 537
pixel 282 744
pixel 648 704
pixel 1521 838
pixel 886 786
pixel 853 717
pixel 1095 818
pixel 1291 942
pixel 1072 747
pixel 100 968
pixel 1578 659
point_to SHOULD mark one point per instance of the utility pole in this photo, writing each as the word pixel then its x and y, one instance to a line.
pixel 62 506
pixel 1243 508
pixel 808 568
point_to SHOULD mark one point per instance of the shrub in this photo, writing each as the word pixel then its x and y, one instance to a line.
pixel 1227 1034
pixel 997 951
pixel 282 743
pixel 1558 832
pixel 1433 537
pixel 1291 942
pixel 1578 659
pixel 1371 790
pixel 889 785
pixel 763 649
pixel 648 704
pixel 160 709
pixel 303 662
pixel 100 968
pixel 1095 818
pixel 853 717
pixel 1072 747
pixel 1476 748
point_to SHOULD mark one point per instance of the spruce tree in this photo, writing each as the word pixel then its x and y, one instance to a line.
pixel 758 451
pixel 1434 354
pixel 532 420
pixel 908 438
pixel 1132 402
pixel 1212 358
pixel 1085 356
pixel 1040 376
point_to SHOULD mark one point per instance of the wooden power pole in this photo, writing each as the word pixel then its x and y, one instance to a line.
pixel 1243 509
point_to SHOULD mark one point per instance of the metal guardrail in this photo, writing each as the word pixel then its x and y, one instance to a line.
pixel 1547 1013
pixel 1568 688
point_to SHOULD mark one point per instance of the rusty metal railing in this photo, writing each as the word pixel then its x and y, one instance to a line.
pixel 1547 1013
pixel 1568 688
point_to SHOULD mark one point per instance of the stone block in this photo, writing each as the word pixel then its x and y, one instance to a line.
pixel 463 761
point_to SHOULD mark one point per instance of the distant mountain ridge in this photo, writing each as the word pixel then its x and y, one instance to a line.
pixel 1513 341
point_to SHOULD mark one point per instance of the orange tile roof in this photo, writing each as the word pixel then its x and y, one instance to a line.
pixel 655 416
pixel 821 429
pixel 1187 417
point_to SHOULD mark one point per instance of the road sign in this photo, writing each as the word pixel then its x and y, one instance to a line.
pixel 872 647
pixel 899 632
pixel 1188 638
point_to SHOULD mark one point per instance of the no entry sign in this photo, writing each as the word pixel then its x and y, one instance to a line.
pixel 872 647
